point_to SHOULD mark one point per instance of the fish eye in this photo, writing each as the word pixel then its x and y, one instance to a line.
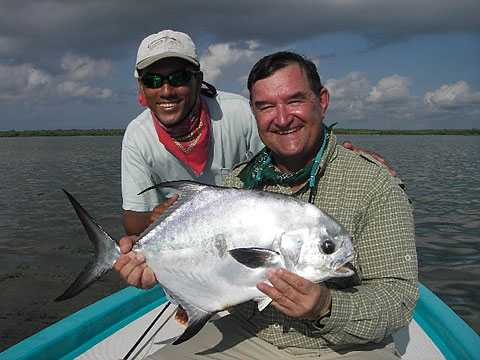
pixel 328 247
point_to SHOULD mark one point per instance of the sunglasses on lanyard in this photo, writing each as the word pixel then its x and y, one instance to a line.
pixel 177 78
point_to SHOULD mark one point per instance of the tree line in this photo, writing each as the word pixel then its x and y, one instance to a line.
pixel 119 132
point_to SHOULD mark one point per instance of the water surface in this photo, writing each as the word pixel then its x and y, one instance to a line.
pixel 43 246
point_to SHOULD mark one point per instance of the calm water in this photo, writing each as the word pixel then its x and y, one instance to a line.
pixel 43 247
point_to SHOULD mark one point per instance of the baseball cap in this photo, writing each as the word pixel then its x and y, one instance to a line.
pixel 165 43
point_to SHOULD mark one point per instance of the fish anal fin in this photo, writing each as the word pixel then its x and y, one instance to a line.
pixel 255 257
pixel 196 321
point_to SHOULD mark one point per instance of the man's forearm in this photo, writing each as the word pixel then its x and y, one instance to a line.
pixel 135 222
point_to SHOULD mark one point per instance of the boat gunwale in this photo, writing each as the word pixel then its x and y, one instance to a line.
pixel 82 330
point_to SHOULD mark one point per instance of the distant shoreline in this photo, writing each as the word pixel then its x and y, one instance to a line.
pixel 119 132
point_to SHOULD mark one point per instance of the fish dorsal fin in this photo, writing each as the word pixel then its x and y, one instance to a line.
pixel 187 189
pixel 256 257
pixel 197 319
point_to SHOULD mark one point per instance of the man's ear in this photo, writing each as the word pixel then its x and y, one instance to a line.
pixel 324 100
pixel 140 86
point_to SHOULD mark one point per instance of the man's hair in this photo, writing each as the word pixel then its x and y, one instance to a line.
pixel 268 65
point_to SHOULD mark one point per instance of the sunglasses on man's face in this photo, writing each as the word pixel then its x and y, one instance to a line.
pixel 177 78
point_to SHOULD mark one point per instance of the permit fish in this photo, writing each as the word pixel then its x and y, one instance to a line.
pixel 214 244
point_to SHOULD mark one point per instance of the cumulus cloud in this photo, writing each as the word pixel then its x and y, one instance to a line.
pixel 82 68
pixel 220 57
pixel 21 81
pixel 51 49
pixel 392 89
pixel 452 96
pixel 25 82
pixel 389 104
pixel 70 88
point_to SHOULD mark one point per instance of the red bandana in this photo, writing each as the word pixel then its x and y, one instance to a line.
pixel 189 140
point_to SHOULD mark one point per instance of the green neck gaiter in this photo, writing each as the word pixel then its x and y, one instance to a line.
pixel 260 169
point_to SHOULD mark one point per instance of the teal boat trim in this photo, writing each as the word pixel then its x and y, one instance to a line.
pixel 81 331
pixel 77 333
pixel 453 337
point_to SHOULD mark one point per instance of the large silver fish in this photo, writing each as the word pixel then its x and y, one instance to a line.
pixel 214 244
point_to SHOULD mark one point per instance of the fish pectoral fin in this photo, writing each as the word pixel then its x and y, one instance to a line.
pixel 197 318
pixel 262 304
pixel 255 257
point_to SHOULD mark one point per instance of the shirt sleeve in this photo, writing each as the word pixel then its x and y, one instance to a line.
pixel 386 263
pixel 136 177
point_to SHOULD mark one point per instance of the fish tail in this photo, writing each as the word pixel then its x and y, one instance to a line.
pixel 106 252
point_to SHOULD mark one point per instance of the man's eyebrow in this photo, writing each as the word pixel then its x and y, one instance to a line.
pixel 259 103
pixel 297 95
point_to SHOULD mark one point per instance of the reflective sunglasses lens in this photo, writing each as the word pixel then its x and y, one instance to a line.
pixel 155 81
pixel 152 81
pixel 179 78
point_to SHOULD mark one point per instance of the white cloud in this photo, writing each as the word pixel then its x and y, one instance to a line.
pixel 223 56
pixel 25 82
pixel 390 105
pixel 392 89
pixel 70 88
pixel 84 67
pixel 353 86
pixel 452 96
pixel 22 81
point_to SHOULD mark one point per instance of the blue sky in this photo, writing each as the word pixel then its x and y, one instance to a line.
pixel 388 65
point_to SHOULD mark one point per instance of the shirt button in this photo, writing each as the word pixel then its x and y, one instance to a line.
pixel 276 326
pixel 408 258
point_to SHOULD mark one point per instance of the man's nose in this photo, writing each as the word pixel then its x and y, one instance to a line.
pixel 284 118
pixel 166 90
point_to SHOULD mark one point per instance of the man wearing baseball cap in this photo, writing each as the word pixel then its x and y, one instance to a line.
pixel 186 133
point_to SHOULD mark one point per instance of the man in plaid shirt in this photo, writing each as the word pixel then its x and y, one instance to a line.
pixel 348 318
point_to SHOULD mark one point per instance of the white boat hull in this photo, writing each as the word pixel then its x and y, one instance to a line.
pixel 109 328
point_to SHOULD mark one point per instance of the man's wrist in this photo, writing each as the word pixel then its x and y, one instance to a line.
pixel 327 300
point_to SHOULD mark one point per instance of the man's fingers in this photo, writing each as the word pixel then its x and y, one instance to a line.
pixel 171 200
pixel 127 263
pixel 121 262
pixel 126 243
pixel 281 292
pixel 298 283
pixel 135 276
pixel 160 209
pixel 348 145
pixel 148 278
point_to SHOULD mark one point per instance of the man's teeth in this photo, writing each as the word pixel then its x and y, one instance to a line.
pixel 167 105
pixel 285 132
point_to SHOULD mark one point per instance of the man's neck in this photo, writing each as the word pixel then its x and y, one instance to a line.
pixel 291 165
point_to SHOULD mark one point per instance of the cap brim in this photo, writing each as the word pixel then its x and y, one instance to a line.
pixel 152 59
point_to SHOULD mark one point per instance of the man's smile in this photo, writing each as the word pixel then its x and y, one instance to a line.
pixel 289 131
pixel 168 106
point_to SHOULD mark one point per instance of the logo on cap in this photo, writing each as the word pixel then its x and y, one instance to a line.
pixel 168 41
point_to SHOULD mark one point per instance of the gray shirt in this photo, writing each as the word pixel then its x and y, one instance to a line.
pixel 146 161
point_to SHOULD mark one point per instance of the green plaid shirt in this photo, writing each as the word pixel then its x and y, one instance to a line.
pixel 380 298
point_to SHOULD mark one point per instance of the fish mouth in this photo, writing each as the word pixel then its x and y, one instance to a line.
pixel 342 269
